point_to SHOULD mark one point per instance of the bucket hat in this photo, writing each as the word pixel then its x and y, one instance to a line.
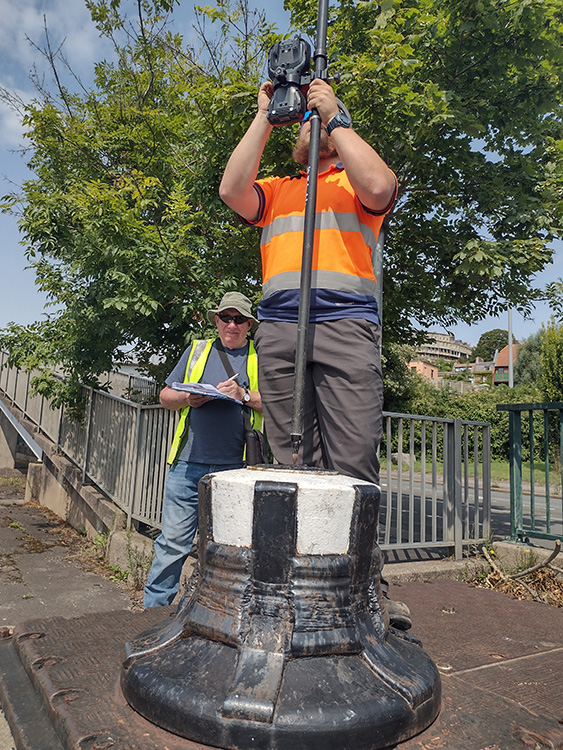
pixel 239 302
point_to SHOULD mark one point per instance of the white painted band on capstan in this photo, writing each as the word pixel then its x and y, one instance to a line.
pixel 324 508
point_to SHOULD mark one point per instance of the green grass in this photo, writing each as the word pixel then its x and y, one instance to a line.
pixel 15 481
pixel 500 471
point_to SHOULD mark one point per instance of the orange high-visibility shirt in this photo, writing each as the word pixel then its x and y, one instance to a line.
pixel 344 239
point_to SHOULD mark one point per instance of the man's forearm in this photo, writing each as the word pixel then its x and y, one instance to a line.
pixel 371 178
pixel 255 401
pixel 373 182
pixel 236 188
pixel 173 400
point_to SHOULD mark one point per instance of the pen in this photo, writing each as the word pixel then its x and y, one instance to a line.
pixel 233 377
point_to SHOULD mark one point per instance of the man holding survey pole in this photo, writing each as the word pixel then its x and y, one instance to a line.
pixel 343 388
pixel 355 190
pixel 214 380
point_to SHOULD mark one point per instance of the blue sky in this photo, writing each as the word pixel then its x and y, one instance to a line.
pixel 69 22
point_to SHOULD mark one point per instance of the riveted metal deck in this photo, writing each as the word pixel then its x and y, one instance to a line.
pixel 500 659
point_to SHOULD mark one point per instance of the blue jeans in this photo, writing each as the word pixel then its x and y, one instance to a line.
pixel 179 525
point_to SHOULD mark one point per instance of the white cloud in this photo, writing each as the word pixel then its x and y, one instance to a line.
pixel 23 26
pixel 11 127
pixel 68 23
pixel 11 131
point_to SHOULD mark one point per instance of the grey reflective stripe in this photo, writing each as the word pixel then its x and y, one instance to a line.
pixel 199 348
pixel 342 282
pixel 343 222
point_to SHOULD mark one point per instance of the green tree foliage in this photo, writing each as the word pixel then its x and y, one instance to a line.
pixel 478 406
pixel 463 100
pixel 527 368
pixel 123 224
pixel 400 383
pixel 552 362
pixel 554 294
pixel 122 220
pixel 444 365
pixel 490 342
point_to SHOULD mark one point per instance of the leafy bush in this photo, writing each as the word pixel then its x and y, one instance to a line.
pixel 476 406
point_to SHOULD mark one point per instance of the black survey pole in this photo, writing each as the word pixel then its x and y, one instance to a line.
pixel 320 63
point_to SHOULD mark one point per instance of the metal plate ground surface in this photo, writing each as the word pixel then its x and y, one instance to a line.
pixel 501 662
pixel 72 666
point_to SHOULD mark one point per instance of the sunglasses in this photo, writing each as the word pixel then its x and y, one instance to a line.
pixel 238 319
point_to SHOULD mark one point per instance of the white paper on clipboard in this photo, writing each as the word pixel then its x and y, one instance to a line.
pixel 203 389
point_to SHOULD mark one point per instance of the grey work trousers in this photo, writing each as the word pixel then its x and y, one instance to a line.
pixel 343 394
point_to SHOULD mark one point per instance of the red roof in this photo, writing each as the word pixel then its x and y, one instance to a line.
pixel 502 359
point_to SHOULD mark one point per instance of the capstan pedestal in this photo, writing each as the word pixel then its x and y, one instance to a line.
pixel 282 641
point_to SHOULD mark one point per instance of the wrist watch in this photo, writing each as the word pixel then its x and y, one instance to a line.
pixel 246 397
pixel 340 120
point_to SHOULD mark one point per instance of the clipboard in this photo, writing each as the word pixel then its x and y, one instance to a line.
pixel 204 389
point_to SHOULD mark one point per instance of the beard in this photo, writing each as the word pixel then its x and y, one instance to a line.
pixel 300 152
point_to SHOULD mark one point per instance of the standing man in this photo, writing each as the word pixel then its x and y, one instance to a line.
pixel 343 381
pixel 356 189
pixel 210 434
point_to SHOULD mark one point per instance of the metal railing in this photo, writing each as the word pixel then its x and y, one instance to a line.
pixel 132 387
pixel 120 446
pixel 435 478
pixel 440 493
pixel 536 508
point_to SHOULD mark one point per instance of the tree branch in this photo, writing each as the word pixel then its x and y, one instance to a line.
pixel 544 564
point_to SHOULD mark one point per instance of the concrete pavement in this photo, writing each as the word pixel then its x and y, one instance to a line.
pixel 36 578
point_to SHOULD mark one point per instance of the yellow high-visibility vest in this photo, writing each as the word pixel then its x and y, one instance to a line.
pixel 197 359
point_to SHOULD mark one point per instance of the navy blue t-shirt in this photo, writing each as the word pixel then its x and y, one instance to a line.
pixel 326 304
pixel 216 429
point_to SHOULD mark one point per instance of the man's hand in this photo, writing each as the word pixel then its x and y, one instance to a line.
pixel 321 97
pixel 265 93
pixel 174 400
pixel 231 388
pixel 195 400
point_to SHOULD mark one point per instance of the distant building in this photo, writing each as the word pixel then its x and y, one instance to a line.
pixel 443 346
pixel 482 372
pixel 500 372
pixel 425 370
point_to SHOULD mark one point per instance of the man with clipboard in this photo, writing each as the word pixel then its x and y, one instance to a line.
pixel 211 433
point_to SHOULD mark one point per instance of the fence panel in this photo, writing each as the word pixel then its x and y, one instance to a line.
pixel 50 420
pixel 157 429
pixel 20 388
pixel 132 387
pixel 435 476
pixel 72 440
pixel 435 486
pixel 9 385
pixel 110 446
pixel 536 441
pixel 3 369
pixel 34 402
